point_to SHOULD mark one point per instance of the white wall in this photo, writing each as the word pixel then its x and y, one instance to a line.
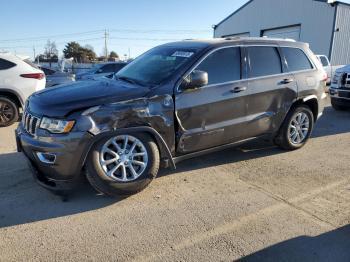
pixel 341 42
pixel 316 19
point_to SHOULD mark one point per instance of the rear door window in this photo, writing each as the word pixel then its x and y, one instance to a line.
pixel 296 59
pixel 224 65
pixel 5 64
pixel 264 61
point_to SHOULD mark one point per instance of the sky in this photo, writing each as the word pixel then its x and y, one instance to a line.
pixel 133 25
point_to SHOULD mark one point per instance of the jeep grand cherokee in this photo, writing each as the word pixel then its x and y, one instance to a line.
pixel 174 102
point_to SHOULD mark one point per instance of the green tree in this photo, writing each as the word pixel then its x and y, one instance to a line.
pixel 114 55
pixel 79 53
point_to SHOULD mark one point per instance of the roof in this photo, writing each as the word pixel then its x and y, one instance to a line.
pixel 203 43
pixel 249 2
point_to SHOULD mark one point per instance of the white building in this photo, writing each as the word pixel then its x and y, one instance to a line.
pixel 324 25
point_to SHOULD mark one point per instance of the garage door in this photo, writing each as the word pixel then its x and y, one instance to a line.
pixel 291 32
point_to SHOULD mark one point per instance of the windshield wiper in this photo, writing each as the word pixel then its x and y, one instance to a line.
pixel 130 80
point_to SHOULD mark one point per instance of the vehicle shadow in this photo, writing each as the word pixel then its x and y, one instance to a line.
pixel 23 201
pixel 332 123
pixel 330 246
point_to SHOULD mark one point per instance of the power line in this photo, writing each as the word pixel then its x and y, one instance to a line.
pixel 126 31
pixel 52 36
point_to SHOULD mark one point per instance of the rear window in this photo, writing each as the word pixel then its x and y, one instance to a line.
pixel 264 61
pixel 296 59
pixel 5 64
pixel 324 61
pixel 27 61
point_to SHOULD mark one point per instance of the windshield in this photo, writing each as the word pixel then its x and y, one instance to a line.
pixel 155 66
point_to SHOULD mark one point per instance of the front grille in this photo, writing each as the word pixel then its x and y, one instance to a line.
pixel 30 123
pixel 347 80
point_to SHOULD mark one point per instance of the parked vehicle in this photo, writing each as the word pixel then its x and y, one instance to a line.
pixel 330 69
pixel 19 78
pixel 175 102
pixel 340 89
pixel 101 70
pixel 54 78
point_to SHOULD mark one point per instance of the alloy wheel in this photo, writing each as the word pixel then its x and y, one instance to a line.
pixel 299 128
pixel 123 158
pixel 6 112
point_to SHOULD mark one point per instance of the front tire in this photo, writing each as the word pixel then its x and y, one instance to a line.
pixel 123 164
pixel 9 112
pixel 296 129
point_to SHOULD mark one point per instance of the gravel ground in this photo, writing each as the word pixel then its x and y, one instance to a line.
pixel 253 203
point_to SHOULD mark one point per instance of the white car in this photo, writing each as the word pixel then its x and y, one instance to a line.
pixel 330 69
pixel 19 78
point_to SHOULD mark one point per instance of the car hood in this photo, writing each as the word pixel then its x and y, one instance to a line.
pixel 345 69
pixel 62 100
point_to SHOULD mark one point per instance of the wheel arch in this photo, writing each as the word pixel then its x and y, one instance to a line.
pixel 12 95
pixel 165 153
pixel 310 101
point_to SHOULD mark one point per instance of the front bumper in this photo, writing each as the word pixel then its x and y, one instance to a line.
pixel 70 151
pixel 340 94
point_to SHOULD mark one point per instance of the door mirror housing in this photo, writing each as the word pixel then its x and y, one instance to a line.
pixel 195 80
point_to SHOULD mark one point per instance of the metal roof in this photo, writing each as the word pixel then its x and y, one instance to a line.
pixel 249 2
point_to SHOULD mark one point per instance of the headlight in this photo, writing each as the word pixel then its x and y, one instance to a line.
pixel 56 126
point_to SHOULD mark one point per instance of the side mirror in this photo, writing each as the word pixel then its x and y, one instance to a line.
pixel 195 80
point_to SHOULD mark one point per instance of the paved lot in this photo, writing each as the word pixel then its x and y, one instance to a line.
pixel 255 203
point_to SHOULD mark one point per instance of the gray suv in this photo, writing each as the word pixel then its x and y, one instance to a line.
pixel 175 102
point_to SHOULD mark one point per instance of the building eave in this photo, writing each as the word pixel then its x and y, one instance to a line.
pixel 249 2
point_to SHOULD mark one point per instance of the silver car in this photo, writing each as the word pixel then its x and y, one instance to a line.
pixel 101 70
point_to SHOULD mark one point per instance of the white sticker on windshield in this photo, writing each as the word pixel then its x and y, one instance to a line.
pixel 182 54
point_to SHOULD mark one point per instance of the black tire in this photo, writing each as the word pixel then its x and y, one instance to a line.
pixel 9 112
pixel 283 140
pixel 338 107
pixel 97 176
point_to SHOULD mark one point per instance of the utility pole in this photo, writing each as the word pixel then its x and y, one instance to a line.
pixel 34 53
pixel 106 49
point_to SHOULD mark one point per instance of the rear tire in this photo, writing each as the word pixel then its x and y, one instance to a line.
pixel 338 107
pixel 296 129
pixel 9 112
pixel 116 183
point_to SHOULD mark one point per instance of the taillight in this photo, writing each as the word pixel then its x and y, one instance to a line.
pixel 38 76
pixel 325 77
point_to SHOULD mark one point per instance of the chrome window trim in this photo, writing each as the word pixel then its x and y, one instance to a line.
pixel 247 79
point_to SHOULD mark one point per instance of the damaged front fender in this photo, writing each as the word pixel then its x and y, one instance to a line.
pixel 154 115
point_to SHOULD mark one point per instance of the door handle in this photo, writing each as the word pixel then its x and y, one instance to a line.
pixel 238 89
pixel 286 81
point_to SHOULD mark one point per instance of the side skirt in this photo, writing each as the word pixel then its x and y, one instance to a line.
pixel 211 150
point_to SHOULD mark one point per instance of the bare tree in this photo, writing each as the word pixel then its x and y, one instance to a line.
pixel 51 51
